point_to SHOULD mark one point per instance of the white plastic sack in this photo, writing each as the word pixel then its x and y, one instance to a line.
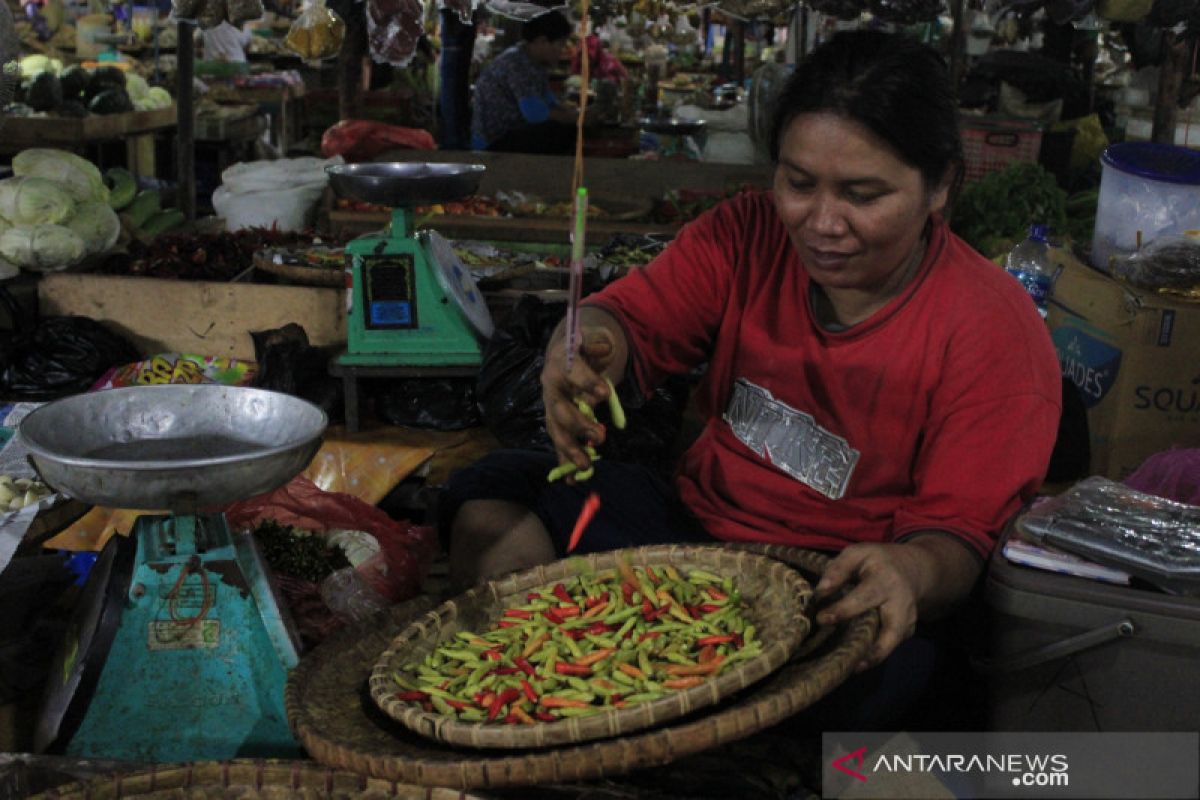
pixel 286 209
pixel 281 193
pixel 283 173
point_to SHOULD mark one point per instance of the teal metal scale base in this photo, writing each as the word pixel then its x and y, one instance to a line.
pixel 410 300
pixel 189 656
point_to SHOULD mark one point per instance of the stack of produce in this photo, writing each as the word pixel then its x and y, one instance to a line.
pixel 49 88
pixel 58 209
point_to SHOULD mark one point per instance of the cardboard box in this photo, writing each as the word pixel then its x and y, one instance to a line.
pixel 1134 356
pixel 213 319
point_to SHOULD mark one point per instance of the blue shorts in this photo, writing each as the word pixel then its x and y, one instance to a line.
pixel 637 507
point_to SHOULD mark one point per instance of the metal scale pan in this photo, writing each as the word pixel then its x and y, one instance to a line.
pixel 177 447
pixel 402 184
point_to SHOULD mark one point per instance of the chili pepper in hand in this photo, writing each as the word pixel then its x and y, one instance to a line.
pixel 590 506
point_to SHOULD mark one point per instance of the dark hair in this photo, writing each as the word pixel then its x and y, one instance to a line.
pixel 553 25
pixel 896 87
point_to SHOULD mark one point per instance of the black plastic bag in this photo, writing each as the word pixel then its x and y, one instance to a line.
pixel 443 404
pixel 288 363
pixel 61 356
pixel 509 392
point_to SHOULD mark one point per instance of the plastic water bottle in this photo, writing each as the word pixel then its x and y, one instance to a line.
pixel 1029 262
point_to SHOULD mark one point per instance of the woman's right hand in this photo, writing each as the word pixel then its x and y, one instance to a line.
pixel 570 431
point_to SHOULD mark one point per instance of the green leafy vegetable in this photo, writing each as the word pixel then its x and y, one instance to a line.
pixel 997 211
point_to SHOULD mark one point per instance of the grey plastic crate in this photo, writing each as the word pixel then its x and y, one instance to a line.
pixel 1072 654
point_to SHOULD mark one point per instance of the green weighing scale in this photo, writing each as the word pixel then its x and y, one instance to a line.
pixel 178 648
pixel 410 300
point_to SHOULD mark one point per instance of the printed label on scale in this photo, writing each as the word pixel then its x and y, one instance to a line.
pixel 167 634
pixel 390 291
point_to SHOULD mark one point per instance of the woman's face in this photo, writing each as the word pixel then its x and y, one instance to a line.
pixel 855 212
pixel 547 52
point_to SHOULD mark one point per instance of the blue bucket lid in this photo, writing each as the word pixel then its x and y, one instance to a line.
pixel 1154 160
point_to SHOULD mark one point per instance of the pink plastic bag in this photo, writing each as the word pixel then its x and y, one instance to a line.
pixel 407 549
pixel 1173 474
pixel 358 140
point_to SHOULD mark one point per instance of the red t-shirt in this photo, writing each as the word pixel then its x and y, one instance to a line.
pixel 937 413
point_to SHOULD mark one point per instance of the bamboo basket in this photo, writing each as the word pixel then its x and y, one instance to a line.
pixel 333 716
pixel 246 780
pixel 776 598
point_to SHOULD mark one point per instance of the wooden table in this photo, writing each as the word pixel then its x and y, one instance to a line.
pixel 136 128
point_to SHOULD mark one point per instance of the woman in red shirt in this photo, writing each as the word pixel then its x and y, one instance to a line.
pixel 872 386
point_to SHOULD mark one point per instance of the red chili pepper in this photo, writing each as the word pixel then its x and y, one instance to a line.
pixel 486 698
pixel 502 699
pixel 598 628
pixel 575 633
pixel 553 615
pixel 533 597
pixel 578 670
pixel 562 594
pixel 651 574
pixel 693 611
pixel 592 602
pixel 507 623
pixel 709 608
pixel 504 671
pixel 716 594
pixel 528 690
pixel 492 655
pixel 714 640
pixel 412 696
pixel 649 635
pixel 590 506
pixel 518 613
pixel 627 591
pixel 427 706
pixel 511 718
pixel 545 716
pixel 566 612
pixel 457 705
pixel 524 666
pixel 656 613
pixel 738 641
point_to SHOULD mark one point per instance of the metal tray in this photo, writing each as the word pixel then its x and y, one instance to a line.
pixel 405 184
pixel 176 447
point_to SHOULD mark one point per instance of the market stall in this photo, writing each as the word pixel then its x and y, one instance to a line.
pixel 229 441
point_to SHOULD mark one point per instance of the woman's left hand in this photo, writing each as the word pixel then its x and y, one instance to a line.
pixel 902 580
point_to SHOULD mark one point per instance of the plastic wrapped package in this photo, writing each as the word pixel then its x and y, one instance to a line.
pixel 393 30
pixel 242 11
pixel 210 14
pixel 1168 262
pixel 317 33
pixel 1112 524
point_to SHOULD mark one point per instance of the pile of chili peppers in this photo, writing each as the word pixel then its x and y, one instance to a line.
pixel 201 256
pixel 587 644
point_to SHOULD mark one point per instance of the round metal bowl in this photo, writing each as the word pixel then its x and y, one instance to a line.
pixel 175 447
pixel 400 183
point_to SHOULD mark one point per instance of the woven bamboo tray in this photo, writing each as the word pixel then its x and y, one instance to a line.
pixel 245 780
pixel 776 598
pixel 307 274
pixel 335 719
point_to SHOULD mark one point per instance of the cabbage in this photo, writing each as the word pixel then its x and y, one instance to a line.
pixel 33 65
pixel 41 247
pixel 34 201
pixel 97 224
pixel 78 176
pixel 136 86
pixel 160 97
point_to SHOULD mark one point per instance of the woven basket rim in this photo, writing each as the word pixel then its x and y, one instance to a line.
pixel 766 609
pixel 216 778
pixel 347 735
pixel 312 276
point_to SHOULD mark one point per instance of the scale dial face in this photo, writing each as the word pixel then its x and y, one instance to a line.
pixel 456 281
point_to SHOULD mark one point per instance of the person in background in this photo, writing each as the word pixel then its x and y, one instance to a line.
pixel 224 42
pixel 514 108
pixel 872 386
